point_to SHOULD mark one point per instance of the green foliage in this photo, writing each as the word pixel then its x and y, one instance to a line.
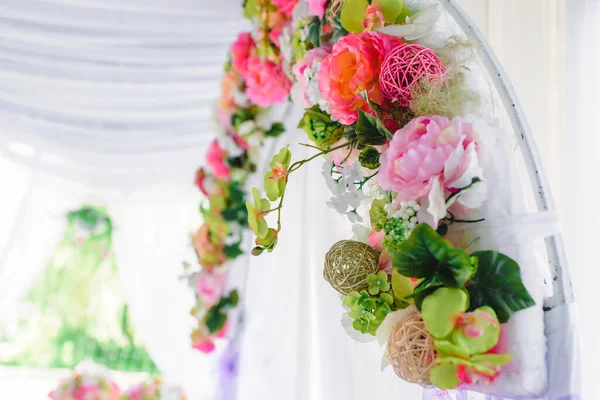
pixel 320 128
pixel 369 158
pixel 370 131
pixel 377 214
pixel 216 316
pixel 315 29
pixel 276 129
pixel 498 284
pixel 233 251
pixel 425 254
pixel 378 283
pixel 338 30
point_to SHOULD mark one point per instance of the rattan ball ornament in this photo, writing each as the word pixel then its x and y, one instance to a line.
pixel 410 350
pixel 402 69
pixel 347 265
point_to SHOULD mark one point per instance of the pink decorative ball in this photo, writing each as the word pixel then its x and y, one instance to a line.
pixel 402 69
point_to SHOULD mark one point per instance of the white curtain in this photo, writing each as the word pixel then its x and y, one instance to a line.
pixel 109 103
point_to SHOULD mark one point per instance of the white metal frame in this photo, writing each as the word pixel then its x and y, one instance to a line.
pixel 561 283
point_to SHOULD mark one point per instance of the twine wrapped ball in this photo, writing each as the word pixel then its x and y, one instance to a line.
pixel 411 351
pixel 402 69
pixel 347 265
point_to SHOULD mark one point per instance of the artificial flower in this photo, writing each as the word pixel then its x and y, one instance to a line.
pixel 378 282
pixel 210 286
pixel 374 19
pixel 305 91
pixel 208 247
pixel 357 15
pixel 317 7
pixel 461 339
pixel 216 159
pixel 276 177
pixel 230 92
pixel 346 195
pixel 256 213
pixel 429 159
pixel 285 7
pixel 86 386
pixel 353 67
pixel 414 26
pixel 241 50
pixel 267 83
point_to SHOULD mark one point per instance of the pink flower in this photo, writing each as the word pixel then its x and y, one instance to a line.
pixel 374 19
pixel 210 286
pixel 205 346
pixel 285 7
pixel 309 61
pixel 216 160
pixel 317 7
pixel 430 158
pixel 376 239
pixel 353 66
pixel 208 247
pixel 266 82
pixel 241 51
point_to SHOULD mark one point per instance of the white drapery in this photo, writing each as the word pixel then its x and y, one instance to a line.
pixel 109 103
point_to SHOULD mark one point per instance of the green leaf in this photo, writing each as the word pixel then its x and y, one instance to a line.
pixel 315 28
pixel 391 9
pixel 370 131
pixel 369 158
pixel 338 30
pixel 251 9
pixel 353 14
pixel 498 285
pixel 425 254
pixel 233 250
pixel 401 286
pixel 276 129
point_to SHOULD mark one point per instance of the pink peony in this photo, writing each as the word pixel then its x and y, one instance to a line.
pixel 317 7
pixel 354 66
pixel 266 83
pixel 216 160
pixel 241 50
pixel 430 158
pixel 210 286
pixel 309 61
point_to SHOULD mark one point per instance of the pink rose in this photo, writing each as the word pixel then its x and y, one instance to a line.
pixel 313 56
pixel 210 286
pixel 430 158
pixel 376 238
pixel 317 7
pixel 266 82
pixel 216 159
pixel 353 66
pixel 205 346
pixel 241 51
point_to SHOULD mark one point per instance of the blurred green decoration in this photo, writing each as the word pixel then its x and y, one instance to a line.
pixel 76 310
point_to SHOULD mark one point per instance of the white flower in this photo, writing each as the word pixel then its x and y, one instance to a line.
pixel 416 25
pixel 247 127
pixel 239 97
pixel 361 232
pixel 230 146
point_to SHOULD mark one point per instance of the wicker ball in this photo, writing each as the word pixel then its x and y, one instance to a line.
pixel 402 69
pixel 411 351
pixel 347 265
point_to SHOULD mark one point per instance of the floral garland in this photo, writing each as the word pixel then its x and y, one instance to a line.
pixel 255 79
pixel 82 386
pixel 405 161
pixel 152 389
